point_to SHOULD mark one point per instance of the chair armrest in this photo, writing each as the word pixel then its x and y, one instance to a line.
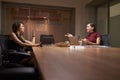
pixel 17 54
pixel 23 73
pixel 14 56
pixel 10 52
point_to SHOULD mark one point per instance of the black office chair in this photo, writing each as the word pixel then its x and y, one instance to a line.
pixel 16 71
pixel 10 55
pixel 47 39
pixel 105 40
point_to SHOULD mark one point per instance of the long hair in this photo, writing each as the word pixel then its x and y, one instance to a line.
pixel 16 26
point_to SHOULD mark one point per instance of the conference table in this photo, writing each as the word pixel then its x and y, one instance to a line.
pixel 78 62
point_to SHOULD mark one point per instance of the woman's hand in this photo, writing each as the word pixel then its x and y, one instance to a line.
pixel 36 45
pixel 86 41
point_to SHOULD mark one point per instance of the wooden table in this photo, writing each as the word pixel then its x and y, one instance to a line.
pixel 78 62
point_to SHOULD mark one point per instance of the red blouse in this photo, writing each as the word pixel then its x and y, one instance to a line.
pixel 93 36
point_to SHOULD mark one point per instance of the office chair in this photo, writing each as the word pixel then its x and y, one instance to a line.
pixel 47 39
pixel 105 40
pixel 16 72
pixel 10 55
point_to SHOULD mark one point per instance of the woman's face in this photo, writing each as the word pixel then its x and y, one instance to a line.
pixel 89 28
pixel 21 29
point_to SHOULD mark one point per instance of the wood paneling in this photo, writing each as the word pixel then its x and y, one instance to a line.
pixel 40 20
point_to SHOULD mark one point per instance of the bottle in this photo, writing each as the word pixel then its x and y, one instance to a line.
pixel 80 43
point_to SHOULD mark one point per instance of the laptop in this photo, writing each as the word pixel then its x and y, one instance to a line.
pixel 73 40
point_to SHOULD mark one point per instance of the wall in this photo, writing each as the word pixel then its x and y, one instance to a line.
pixel 102 19
pixel 0 16
pixel 83 14
pixel 112 27
pixel 115 25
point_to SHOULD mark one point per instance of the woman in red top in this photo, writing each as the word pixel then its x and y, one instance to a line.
pixel 93 38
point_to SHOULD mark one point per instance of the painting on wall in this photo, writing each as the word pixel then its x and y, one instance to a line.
pixel 40 19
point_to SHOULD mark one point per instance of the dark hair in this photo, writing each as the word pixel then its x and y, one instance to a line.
pixel 16 26
pixel 93 25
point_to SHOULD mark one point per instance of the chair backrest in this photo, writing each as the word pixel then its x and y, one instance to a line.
pixel 0 56
pixel 3 45
pixel 4 42
pixel 47 39
pixel 105 40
